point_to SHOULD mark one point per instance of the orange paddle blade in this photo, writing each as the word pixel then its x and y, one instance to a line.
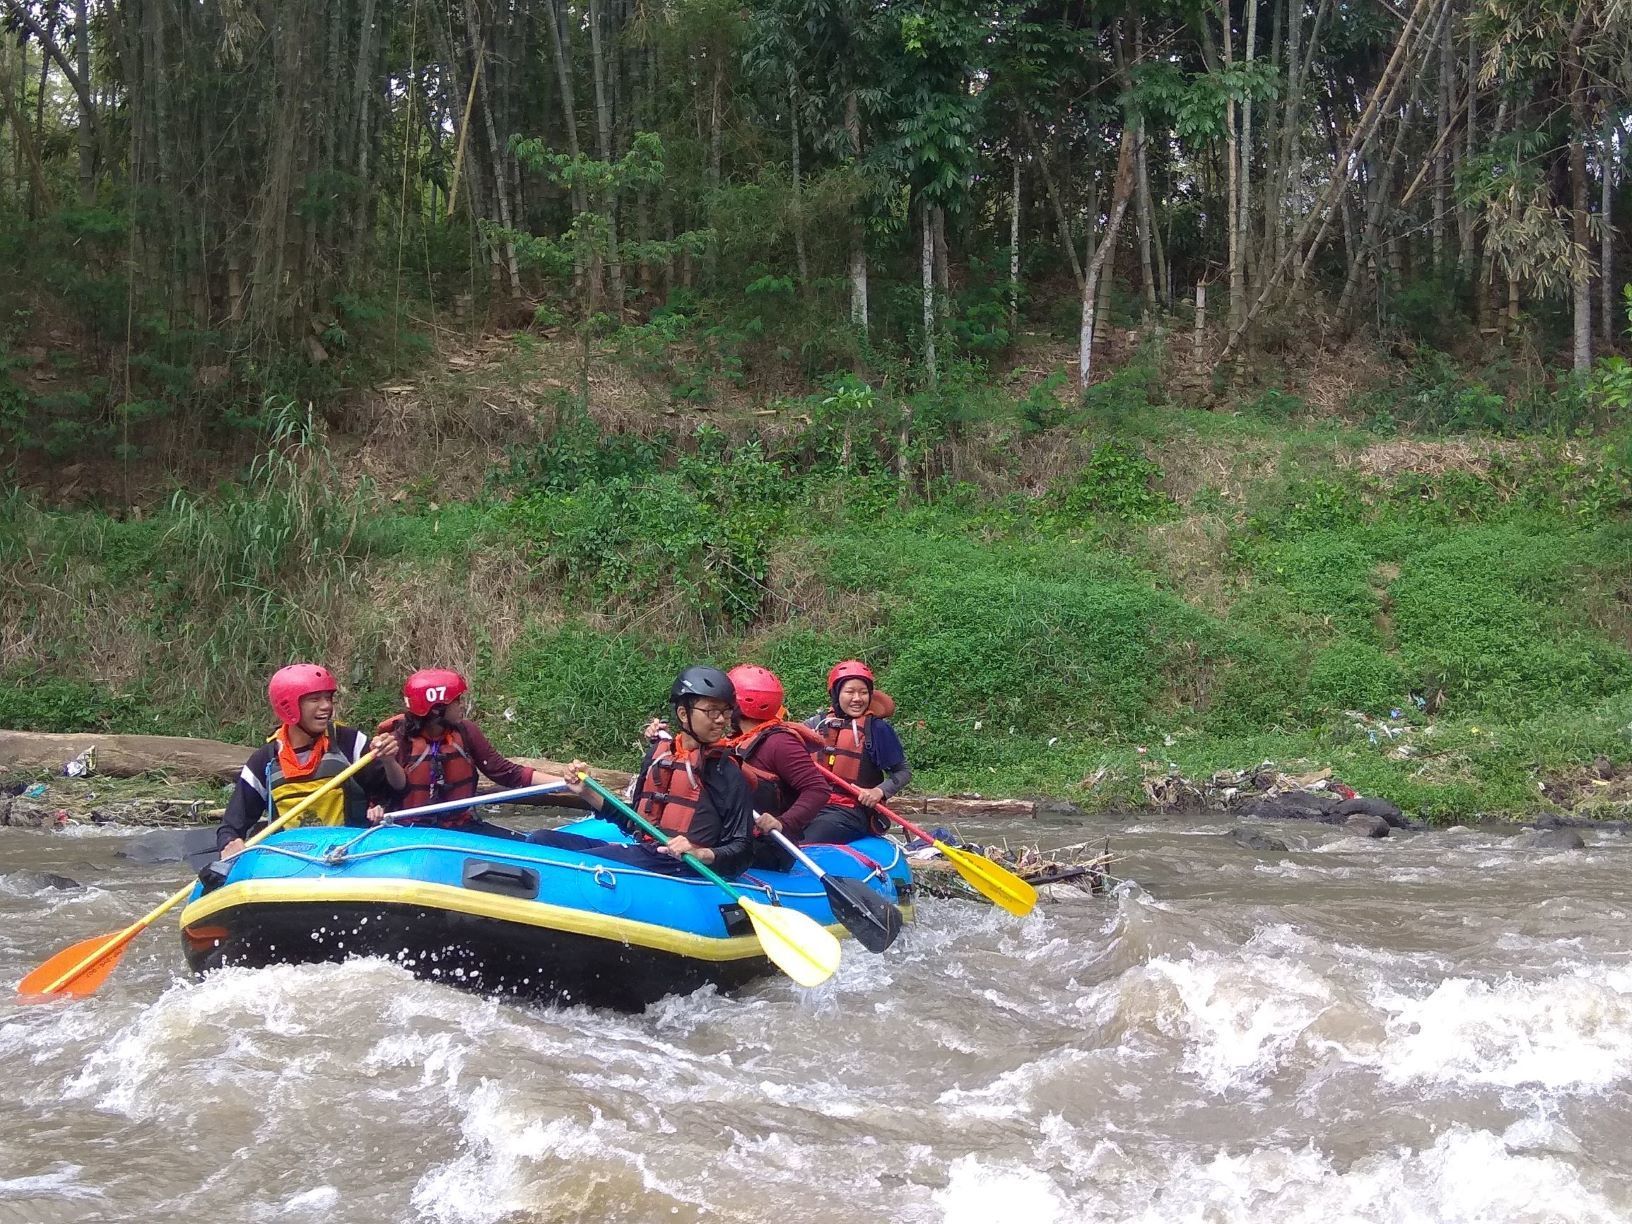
pixel 112 945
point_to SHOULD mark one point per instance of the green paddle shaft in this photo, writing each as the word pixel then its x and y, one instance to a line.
pixel 661 837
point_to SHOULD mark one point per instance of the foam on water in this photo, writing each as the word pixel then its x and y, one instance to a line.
pixel 1465 1177
pixel 1568 1032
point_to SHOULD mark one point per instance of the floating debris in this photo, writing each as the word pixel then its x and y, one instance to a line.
pixel 1062 873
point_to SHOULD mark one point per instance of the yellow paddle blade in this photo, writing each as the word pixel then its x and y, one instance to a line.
pixel 87 969
pixel 797 944
pixel 992 880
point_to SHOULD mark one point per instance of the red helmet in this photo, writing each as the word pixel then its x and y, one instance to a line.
pixel 850 669
pixel 431 687
pixel 289 684
pixel 759 692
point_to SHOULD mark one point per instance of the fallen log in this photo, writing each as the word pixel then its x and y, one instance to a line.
pixel 130 756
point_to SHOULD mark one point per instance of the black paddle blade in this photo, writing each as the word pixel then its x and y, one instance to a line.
pixel 869 917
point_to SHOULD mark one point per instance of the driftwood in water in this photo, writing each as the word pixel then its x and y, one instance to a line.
pixel 129 756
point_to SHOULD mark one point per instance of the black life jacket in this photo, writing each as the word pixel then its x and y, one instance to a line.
pixel 283 792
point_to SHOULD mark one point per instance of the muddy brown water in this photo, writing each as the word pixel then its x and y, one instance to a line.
pixel 1436 1027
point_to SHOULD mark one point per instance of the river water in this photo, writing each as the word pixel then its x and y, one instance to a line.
pixel 1436 1027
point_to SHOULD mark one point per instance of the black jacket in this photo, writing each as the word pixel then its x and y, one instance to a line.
pixel 725 814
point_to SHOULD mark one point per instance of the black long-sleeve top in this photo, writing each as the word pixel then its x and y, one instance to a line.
pixel 724 816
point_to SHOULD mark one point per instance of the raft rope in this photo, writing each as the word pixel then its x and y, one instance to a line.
pixel 336 855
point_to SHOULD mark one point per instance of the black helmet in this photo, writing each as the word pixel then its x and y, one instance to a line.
pixel 697 682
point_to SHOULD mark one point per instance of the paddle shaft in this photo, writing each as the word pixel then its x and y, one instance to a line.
pixel 119 940
pixel 810 864
pixel 515 795
pixel 853 789
pixel 661 837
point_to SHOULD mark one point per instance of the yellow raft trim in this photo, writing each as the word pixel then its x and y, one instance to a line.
pixel 467 901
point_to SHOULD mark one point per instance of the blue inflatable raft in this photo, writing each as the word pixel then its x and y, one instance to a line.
pixel 507 917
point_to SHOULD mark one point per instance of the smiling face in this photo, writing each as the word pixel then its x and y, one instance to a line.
pixel 316 713
pixel 854 697
pixel 706 720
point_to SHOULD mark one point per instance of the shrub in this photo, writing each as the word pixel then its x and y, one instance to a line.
pixel 1121 483
pixel 1351 675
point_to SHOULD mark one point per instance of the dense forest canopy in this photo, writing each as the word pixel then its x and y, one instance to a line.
pixel 246 177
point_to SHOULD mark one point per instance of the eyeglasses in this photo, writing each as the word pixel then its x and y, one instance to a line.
pixel 714 713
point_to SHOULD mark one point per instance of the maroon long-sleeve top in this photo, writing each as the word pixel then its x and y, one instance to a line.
pixel 786 756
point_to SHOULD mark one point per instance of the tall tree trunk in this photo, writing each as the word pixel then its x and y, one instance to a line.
pixel 1606 238
pixel 798 201
pixel 1232 178
pixel 25 152
pixel 1067 240
pixel 943 269
pixel 716 151
pixel 603 143
pixel 495 150
pixel 1581 273
pixel 36 206
pixel 927 267
pixel 1467 222
pixel 87 113
pixel 1014 245
pixel 1442 119
pixel 362 94
pixel 858 227
pixel 1120 194
pixel 561 48
pixel 1303 248
pixel 1244 220
pixel 1146 221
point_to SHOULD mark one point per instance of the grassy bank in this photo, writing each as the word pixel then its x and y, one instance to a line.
pixel 1072 598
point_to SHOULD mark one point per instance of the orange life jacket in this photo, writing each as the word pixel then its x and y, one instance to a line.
pixel 766 788
pixel 844 751
pixel 437 769
pixel 670 789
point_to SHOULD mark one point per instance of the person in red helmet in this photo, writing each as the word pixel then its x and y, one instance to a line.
pixel 788 790
pixel 442 751
pixel 862 748
pixel 306 750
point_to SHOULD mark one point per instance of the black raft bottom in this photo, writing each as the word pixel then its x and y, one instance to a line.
pixel 485 955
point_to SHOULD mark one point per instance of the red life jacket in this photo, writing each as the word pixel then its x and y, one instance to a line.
pixel 767 789
pixel 845 753
pixel 670 789
pixel 437 769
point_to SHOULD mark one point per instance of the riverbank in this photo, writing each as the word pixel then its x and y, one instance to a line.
pixel 1084 599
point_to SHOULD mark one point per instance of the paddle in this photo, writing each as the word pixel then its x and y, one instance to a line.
pixel 514 795
pixel 81 969
pixel 997 883
pixel 796 943
pixel 869 917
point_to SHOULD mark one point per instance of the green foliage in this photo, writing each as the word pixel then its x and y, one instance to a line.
pixel 1476 617
pixel 693 541
pixel 1122 483
pixel 585 693
pixel 1351 675
pixel 51 703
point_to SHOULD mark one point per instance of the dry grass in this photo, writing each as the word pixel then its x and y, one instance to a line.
pixel 1189 554
pixel 1190 463
pixel 1337 374
pixel 1396 457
